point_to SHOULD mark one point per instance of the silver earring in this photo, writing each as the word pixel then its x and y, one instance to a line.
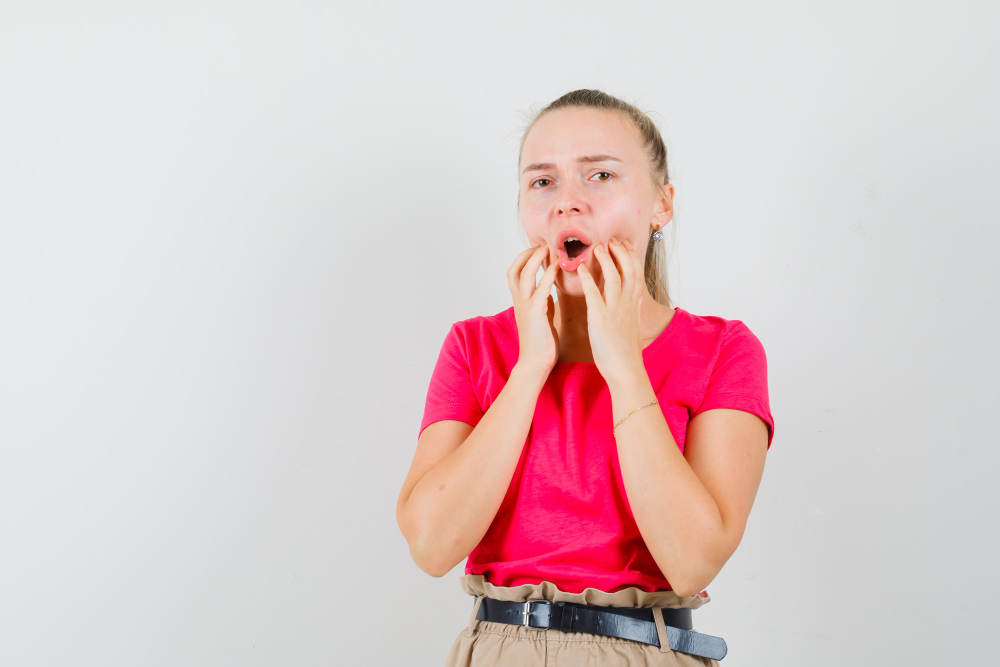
pixel 657 235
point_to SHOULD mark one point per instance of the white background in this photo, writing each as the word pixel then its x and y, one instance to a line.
pixel 233 237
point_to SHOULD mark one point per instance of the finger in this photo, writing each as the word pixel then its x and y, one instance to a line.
pixel 640 270
pixel 624 258
pixel 612 280
pixel 591 292
pixel 530 270
pixel 625 261
pixel 514 272
pixel 548 278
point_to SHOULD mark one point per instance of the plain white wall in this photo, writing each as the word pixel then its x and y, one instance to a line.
pixel 233 236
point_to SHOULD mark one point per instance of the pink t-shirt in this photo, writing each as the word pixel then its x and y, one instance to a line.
pixel 565 517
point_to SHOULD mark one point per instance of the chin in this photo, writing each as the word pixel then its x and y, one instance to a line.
pixel 570 286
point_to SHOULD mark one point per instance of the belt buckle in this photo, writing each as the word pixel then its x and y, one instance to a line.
pixel 526 613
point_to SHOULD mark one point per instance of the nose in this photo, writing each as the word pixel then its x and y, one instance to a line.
pixel 568 208
pixel 571 201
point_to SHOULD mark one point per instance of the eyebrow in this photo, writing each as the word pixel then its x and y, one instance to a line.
pixel 538 166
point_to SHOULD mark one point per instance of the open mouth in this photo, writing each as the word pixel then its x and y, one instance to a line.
pixel 574 247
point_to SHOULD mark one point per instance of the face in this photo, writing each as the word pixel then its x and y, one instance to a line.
pixel 593 199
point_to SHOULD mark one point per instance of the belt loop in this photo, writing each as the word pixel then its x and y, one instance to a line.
pixel 661 630
pixel 472 617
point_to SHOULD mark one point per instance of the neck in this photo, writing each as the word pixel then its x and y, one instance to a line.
pixel 571 315
pixel 570 320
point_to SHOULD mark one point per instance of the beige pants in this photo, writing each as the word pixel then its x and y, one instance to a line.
pixel 492 644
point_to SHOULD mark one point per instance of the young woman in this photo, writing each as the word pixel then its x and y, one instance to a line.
pixel 595 457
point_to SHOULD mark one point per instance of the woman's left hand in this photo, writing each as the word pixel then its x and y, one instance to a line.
pixel 613 320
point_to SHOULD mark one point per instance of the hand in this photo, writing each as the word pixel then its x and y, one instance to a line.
pixel 534 309
pixel 613 320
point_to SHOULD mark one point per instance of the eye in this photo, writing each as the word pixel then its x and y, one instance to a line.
pixel 604 180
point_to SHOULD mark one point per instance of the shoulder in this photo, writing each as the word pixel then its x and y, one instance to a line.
pixel 486 336
pixel 714 334
pixel 482 327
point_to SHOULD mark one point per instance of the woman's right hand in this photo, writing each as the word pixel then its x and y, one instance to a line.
pixel 534 309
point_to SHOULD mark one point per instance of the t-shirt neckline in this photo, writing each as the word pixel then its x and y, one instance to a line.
pixel 563 366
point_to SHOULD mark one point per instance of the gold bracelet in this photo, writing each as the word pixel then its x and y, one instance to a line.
pixel 629 414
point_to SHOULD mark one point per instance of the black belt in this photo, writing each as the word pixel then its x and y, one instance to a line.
pixel 635 623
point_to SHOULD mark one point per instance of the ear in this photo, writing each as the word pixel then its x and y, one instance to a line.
pixel 663 211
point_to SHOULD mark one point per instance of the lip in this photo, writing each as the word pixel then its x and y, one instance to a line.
pixel 566 232
pixel 567 263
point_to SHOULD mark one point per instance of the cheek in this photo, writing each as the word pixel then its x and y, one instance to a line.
pixel 534 229
pixel 532 215
pixel 624 211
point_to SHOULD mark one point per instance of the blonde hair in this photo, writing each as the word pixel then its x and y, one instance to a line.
pixel 656 254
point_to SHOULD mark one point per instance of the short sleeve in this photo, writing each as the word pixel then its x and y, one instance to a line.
pixel 739 378
pixel 451 392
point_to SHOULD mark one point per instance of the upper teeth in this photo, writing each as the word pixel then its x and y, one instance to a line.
pixel 570 238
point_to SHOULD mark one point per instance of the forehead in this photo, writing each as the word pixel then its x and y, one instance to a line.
pixel 564 134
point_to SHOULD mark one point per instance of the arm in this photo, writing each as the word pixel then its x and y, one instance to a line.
pixel 447 504
pixel 691 508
